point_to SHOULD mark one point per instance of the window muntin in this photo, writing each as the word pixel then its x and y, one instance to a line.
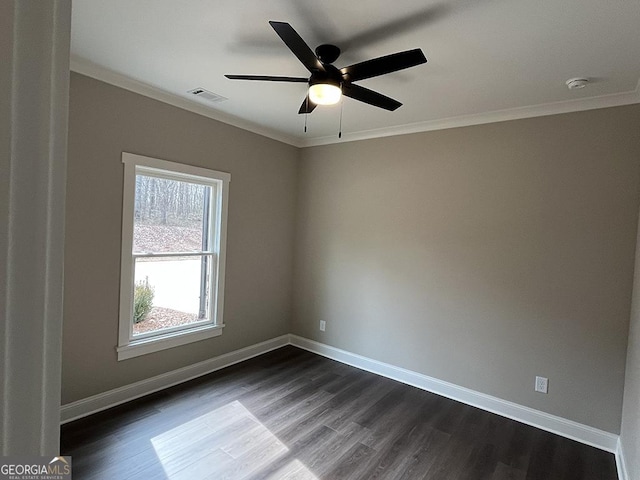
pixel 174 224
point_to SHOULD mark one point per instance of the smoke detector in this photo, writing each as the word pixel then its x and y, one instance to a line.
pixel 577 83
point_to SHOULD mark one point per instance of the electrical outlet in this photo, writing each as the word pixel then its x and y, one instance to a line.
pixel 323 325
pixel 542 384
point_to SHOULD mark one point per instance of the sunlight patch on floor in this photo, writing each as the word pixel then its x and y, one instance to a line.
pixel 226 443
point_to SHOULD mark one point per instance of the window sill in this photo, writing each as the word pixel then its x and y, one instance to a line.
pixel 135 348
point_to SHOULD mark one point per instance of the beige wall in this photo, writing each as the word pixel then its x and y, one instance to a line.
pixel 104 122
pixel 630 434
pixel 482 256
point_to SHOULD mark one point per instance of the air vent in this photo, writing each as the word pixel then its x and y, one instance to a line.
pixel 207 95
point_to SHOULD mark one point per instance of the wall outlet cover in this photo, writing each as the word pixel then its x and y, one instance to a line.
pixel 542 384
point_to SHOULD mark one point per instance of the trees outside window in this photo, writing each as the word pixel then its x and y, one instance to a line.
pixel 173 252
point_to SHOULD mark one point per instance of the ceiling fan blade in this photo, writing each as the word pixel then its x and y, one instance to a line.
pixel 297 45
pixel 307 106
pixel 268 78
pixel 383 65
pixel 394 26
pixel 369 96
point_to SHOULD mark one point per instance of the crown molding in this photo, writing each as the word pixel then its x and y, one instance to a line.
pixel 555 108
pixel 85 67
pixel 90 69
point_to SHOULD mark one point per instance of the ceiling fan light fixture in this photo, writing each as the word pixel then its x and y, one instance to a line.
pixel 327 83
pixel 324 94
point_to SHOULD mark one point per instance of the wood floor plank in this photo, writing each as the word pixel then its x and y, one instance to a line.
pixel 542 455
pixel 353 464
pixel 481 464
pixel 519 447
pixel 418 462
pixel 398 453
pixel 506 472
pixel 449 465
pixel 293 415
pixel 300 453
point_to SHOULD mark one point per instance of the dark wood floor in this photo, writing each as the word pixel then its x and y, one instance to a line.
pixel 290 414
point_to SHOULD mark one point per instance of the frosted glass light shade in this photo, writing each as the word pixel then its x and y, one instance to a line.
pixel 324 94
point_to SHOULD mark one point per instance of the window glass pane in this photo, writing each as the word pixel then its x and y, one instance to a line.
pixel 170 215
pixel 170 292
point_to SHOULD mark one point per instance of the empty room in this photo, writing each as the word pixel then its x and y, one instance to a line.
pixel 316 240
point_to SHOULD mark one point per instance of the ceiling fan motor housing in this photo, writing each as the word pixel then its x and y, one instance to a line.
pixel 331 75
pixel 327 53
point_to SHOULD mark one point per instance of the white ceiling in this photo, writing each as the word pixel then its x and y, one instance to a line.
pixel 488 60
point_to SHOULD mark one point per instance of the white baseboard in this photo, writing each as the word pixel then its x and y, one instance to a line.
pixel 551 423
pixel 103 401
pixel 545 421
pixel 621 463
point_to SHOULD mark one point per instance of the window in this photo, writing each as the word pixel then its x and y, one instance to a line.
pixel 173 255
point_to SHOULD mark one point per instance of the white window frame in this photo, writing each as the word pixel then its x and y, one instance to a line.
pixel 128 345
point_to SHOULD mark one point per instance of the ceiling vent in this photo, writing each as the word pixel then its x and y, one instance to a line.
pixel 207 95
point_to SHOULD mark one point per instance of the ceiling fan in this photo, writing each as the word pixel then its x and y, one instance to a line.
pixel 327 83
